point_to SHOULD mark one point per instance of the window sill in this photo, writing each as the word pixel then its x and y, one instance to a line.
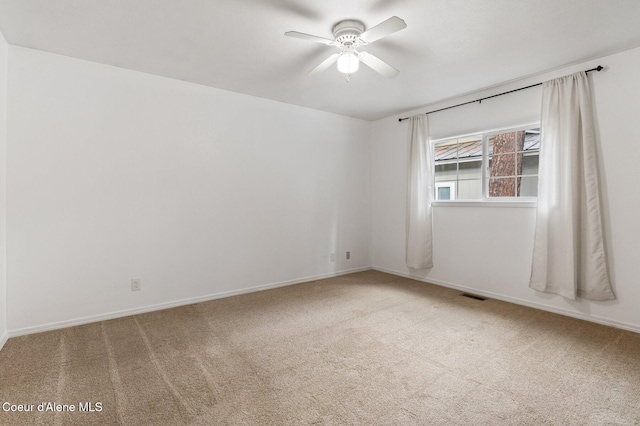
pixel 487 203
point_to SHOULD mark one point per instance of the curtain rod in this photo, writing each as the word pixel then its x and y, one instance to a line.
pixel 598 68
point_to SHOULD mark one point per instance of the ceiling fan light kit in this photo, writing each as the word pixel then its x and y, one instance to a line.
pixel 348 35
pixel 348 63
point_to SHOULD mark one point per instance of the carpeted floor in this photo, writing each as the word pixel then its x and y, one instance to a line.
pixel 366 348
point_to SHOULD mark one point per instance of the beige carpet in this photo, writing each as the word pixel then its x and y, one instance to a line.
pixel 367 348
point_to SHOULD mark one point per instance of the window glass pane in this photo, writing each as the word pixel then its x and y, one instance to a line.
pixel 502 187
pixel 502 165
pixel 447 150
pixel 445 190
pixel 502 143
pixel 470 180
pixel 470 169
pixel 446 172
pixel 444 193
pixel 470 189
pixel 532 140
pixel 470 148
pixel 529 186
pixel 530 163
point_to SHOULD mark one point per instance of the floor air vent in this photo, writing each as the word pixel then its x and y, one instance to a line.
pixel 472 296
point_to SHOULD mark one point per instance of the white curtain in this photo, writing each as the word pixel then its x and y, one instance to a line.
pixel 568 255
pixel 420 195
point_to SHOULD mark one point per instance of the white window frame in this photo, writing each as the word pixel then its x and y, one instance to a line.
pixel 485 200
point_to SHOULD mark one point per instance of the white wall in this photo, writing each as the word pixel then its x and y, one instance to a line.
pixel 487 249
pixel 3 206
pixel 114 174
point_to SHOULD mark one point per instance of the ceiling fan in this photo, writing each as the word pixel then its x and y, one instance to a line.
pixel 349 35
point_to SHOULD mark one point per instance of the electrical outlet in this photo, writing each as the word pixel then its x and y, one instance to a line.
pixel 332 257
pixel 136 284
pixel 348 255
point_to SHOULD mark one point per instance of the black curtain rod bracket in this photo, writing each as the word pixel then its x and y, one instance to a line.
pixel 598 68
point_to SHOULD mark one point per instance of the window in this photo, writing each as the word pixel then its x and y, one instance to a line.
pixel 446 190
pixel 500 164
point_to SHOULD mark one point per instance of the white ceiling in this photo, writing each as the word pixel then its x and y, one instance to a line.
pixel 450 47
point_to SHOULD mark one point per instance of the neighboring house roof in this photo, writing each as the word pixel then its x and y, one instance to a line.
pixel 472 149
pixel 532 142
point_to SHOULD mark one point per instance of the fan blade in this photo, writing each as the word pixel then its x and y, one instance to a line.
pixel 309 37
pixel 383 29
pixel 378 65
pixel 324 64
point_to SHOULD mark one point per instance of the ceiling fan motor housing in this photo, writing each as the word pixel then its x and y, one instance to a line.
pixel 347 33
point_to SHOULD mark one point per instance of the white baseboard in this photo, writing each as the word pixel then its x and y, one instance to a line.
pixel 4 339
pixel 168 305
pixel 592 318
